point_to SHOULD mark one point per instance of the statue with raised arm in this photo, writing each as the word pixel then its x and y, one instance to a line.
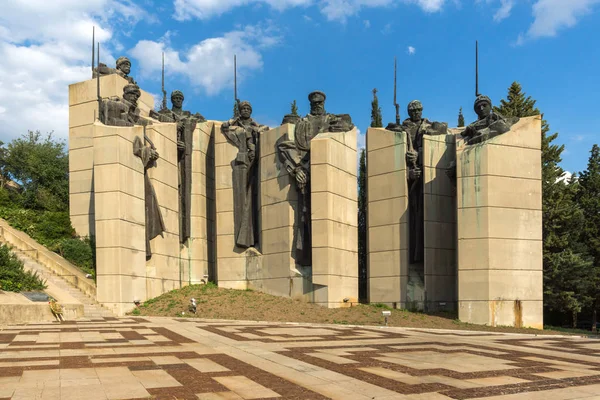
pixel 244 133
pixel 295 156
pixel 186 124
pixel 415 127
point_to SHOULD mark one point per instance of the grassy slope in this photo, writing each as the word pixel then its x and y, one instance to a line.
pixel 217 303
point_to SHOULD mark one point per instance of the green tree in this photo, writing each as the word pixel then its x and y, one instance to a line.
pixel 41 167
pixel 294 108
pixel 362 226
pixel 563 255
pixel 461 118
pixel 517 104
pixel 589 202
pixel 376 118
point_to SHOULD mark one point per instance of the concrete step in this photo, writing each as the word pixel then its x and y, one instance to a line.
pixel 92 309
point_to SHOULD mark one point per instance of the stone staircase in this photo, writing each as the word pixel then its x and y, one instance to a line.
pixel 91 308
pixel 57 272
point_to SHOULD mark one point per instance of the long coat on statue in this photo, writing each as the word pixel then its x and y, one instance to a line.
pixel 155 224
pixel 244 134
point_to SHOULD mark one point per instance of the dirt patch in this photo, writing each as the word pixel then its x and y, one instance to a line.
pixel 247 305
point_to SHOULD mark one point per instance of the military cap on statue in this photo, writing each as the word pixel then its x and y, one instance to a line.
pixel 482 98
pixel 131 89
pixel 316 96
pixel 122 60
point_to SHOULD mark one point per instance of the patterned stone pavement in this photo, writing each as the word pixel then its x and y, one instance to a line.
pixel 166 358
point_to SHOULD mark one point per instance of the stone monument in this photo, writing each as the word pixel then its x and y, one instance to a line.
pixel 244 133
pixel 295 157
pixel 126 196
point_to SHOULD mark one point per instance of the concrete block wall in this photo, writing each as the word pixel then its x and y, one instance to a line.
pixel 387 219
pixel 439 210
pixel 500 228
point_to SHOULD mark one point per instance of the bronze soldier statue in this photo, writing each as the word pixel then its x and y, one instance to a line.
pixel 155 224
pixel 415 127
pixel 295 156
pixel 244 133
pixel 186 124
pixel 123 68
pixel 489 123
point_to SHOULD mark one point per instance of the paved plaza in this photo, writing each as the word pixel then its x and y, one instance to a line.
pixel 170 358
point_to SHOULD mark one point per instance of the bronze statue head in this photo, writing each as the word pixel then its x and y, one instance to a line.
pixel 177 98
pixel 245 109
pixel 317 103
pixel 124 65
pixel 483 106
pixel 131 93
pixel 415 110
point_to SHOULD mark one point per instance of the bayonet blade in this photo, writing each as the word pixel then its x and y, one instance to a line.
pixel 476 68
pixel 93 50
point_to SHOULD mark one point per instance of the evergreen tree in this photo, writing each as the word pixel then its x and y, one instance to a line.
pixel 362 227
pixel 589 201
pixel 294 108
pixel 516 104
pixel 236 109
pixel 376 118
pixel 461 118
pixel 565 261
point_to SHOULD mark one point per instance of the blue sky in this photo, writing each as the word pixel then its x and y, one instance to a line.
pixel 287 48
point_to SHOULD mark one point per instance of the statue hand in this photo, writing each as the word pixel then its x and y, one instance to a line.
pixel 154 154
pixel 411 156
pixel 180 145
pixel 414 174
pixel 301 176
pixel 251 155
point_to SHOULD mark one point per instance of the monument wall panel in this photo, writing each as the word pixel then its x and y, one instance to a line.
pixel 197 257
pixel 83 111
pixel 387 220
pixel 500 238
pixel 439 210
pixel 120 244
pixel 334 228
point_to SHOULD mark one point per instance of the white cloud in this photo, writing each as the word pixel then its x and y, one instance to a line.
pixel 333 10
pixel 361 140
pixel 552 15
pixel 503 12
pixel 209 64
pixel 44 47
pixel 367 23
pixel 411 50
pixel 387 29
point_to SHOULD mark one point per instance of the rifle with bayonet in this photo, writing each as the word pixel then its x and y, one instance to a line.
pixel 476 68
pixel 164 92
pixel 237 101
pixel 101 118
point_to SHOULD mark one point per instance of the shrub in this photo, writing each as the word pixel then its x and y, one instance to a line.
pixel 79 252
pixel 53 229
pixel 13 277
